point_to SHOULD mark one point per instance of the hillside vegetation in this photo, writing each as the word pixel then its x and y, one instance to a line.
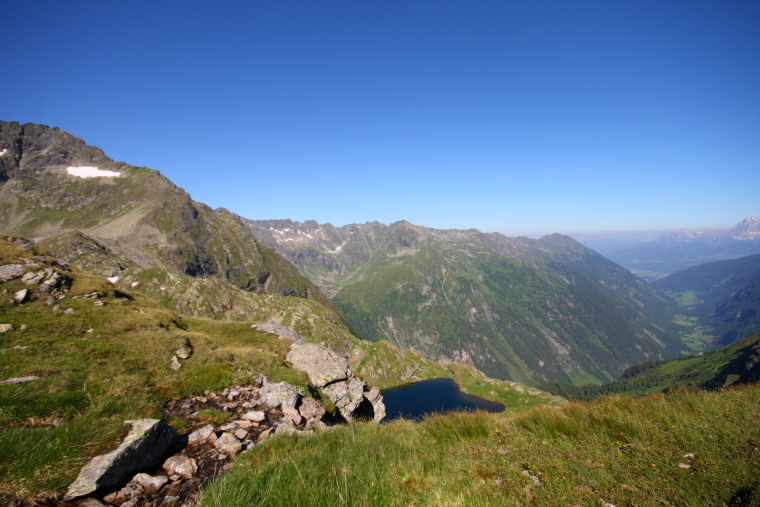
pixel 517 309
pixel 686 448
pixel 117 226
pixel 720 300
pixel 738 363
pixel 101 355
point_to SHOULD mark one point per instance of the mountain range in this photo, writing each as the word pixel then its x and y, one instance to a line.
pixel 527 310
pixel 676 250
pixel 534 311
pixel 118 220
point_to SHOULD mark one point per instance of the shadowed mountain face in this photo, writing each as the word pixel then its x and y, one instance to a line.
pixel 533 311
pixel 52 184
pixel 725 295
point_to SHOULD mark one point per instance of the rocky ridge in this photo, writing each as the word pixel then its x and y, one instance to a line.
pixel 219 426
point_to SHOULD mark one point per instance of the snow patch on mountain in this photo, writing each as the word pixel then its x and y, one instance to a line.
pixel 91 172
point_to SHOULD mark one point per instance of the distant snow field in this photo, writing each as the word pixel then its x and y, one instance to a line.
pixel 91 172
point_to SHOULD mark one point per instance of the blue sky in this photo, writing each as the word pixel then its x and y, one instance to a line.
pixel 520 117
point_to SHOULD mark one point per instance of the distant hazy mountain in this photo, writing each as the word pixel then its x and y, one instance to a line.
pixel 671 252
pixel 110 216
pixel 727 295
pixel 521 309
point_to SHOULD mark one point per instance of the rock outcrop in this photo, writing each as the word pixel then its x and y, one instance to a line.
pixel 144 447
pixel 329 372
pixel 244 416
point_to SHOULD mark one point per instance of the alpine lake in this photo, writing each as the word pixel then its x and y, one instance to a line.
pixel 437 395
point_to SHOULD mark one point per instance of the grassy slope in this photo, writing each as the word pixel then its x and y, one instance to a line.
pixel 459 300
pixel 720 299
pixel 735 363
pixel 102 365
pixel 619 450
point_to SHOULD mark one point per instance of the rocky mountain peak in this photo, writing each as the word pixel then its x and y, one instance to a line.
pixel 747 229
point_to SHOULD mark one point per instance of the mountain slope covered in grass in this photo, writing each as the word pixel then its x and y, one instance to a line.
pixel 686 448
pixel 134 213
pixel 722 297
pixel 101 355
pixel 735 364
pixel 531 311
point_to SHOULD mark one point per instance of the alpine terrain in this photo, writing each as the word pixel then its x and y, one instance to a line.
pixel 528 310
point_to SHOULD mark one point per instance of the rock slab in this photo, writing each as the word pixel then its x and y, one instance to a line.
pixel 144 447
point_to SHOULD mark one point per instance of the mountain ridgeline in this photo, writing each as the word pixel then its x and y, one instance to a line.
pixel 120 219
pixel 535 311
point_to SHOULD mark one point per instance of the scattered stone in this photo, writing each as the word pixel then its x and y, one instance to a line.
pixel 150 483
pixel 92 502
pixel 254 416
pixel 31 277
pixel 228 444
pixel 281 393
pixel 143 447
pixel 184 352
pixel 264 435
pixel 536 481
pixel 4 328
pixel 117 497
pixel 53 282
pixel 11 271
pixel 201 435
pixel 240 433
pixel 683 465
pixel 292 414
pixel 20 380
pixel 181 465
pixel 280 331
pixel 69 310
pixel 311 409
pixel 174 363
pixel 20 296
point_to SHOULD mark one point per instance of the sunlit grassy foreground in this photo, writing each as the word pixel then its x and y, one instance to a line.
pixel 621 451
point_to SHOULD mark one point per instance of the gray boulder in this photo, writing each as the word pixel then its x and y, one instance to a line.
pixel 322 365
pixel 11 271
pixel 281 393
pixel 144 447
pixel 280 331
pixel 311 409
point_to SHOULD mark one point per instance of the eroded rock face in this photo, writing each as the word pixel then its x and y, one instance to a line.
pixel 144 447
pixel 329 371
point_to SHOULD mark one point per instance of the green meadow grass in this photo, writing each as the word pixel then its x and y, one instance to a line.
pixel 619 450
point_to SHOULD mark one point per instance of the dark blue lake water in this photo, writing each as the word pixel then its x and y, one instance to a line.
pixel 415 400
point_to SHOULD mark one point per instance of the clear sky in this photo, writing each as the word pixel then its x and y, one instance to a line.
pixel 513 116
